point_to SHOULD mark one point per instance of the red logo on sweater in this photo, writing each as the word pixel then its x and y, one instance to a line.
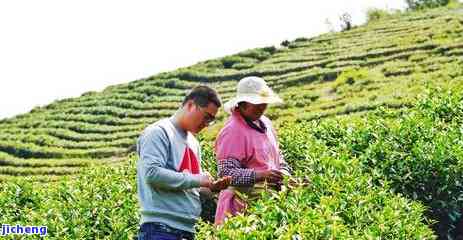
pixel 190 162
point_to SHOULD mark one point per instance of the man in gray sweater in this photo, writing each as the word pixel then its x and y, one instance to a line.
pixel 169 174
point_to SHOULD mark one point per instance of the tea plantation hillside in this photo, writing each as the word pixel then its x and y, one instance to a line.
pixel 385 63
pixel 372 116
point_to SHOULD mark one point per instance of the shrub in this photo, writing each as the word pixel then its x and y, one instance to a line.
pixel 170 84
pixel 229 61
pixel 340 202
pixel 346 22
pixel 259 54
pixel 375 14
pixel 100 204
pixel 355 76
pixel 423 4
pixel 421 155
pixel 285 43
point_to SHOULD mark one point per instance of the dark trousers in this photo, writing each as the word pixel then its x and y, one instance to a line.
pixel 160 231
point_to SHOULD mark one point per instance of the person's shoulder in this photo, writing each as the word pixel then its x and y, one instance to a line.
pixel 230 125
pixel 231 130
pixel 266 120
pixel 156 128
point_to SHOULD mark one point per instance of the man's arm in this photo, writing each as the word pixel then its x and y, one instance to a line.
pixel 153 153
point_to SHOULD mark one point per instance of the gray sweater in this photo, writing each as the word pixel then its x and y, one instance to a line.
pixel 168 175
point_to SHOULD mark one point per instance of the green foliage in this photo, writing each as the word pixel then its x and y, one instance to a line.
pixel 454 4
pixel 355 77
pixel 301 39
pixel 367 79
pixel 420 154
pixel 99 204
pixel 360 171
pixel 285 43
pixel 259 53
pixel 328 209
pixel 375 14
pixel 423 4
pixel 238 62
pixel 342 201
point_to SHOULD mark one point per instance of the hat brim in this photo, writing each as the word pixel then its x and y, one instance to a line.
pixel 254 99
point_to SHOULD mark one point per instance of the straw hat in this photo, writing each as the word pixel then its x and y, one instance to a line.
pixel 253 90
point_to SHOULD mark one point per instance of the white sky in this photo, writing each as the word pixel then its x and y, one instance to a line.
pixel 57 49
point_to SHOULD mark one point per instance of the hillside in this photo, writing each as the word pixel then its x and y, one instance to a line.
pixel 333 74
pixel 382 69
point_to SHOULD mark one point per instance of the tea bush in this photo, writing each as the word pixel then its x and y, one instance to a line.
pixel 420 154
pixel 341 202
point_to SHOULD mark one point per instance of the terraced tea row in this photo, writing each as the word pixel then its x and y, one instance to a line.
pixel 310 75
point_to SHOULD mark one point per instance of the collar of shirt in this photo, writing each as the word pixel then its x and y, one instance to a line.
pixel 173 119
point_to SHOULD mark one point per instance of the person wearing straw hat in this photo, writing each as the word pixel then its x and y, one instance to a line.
pixel 247 148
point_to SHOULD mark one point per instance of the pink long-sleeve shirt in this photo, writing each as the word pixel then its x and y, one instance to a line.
pixel 252 149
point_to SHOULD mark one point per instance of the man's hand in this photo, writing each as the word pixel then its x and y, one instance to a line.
pixel 205 180
pixel 271 176
pixel 221 184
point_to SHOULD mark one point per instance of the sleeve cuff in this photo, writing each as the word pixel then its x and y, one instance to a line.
pixel 253 177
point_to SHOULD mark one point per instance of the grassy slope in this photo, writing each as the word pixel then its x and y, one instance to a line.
pixel 333 74
pixel 385 63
